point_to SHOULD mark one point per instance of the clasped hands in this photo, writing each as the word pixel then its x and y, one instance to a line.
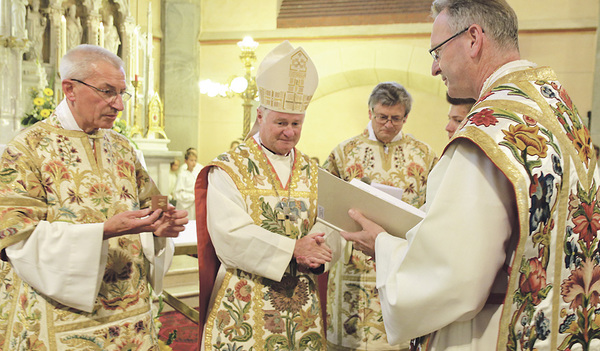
pixel 311 251
pixel 170 224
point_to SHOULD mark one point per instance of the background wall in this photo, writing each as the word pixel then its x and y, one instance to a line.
pixel 352 59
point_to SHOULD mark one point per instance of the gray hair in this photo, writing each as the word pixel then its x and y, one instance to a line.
pixel 390 94
pixel 78 62
pixel 496 17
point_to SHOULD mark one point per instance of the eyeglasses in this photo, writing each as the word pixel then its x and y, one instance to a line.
pixel 383 119
pixel 435 53
pixel 109 95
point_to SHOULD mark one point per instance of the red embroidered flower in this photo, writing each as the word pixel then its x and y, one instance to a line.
pixel 243 291
pixel 274 322
pixel 222 319
pixel 484 117
pixel 415 170
pixel 355 171
pixel 563 95
pixel 533 281
pixel 100 192
pixel 530 121
pixel 587 223
pixel 583 286
pixel 57 169
pixel 125 169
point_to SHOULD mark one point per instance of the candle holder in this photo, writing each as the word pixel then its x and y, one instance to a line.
pixel 240 86
pixel 136 128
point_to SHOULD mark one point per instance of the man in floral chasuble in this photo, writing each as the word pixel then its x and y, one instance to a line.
pixel 385 155
pixel 78 243
pixel 256 210
pixel 507 257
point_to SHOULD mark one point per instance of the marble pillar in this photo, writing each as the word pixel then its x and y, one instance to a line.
pixel 180 77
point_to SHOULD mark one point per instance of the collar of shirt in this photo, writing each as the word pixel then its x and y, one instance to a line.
pixel 281 163
pixel 374 138
pixel 65 116
pixel 513 66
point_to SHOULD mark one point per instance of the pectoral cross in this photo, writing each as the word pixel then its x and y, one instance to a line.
pixel 287 217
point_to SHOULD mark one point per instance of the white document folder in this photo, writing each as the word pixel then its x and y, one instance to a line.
pixel 337 196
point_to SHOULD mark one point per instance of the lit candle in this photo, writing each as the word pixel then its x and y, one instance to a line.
pixel 136 51
pixel 101 34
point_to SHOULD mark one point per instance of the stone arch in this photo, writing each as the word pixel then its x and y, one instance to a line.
pixel 359 65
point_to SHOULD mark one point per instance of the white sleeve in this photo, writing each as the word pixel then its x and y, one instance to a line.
pixel 445 269
pixel 159 253
pixel 238 242
pixel 63 261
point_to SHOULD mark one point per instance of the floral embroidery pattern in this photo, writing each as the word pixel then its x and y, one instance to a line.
pixel 536 150
pixel 353 309
pixel 253 312
pixel 484 117
pixel 67 188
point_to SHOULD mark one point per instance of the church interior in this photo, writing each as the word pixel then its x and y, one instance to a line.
pixel 191 65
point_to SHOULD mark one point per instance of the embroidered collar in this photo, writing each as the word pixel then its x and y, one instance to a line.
pixel 510 67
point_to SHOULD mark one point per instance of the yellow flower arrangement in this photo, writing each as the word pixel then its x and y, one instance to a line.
pixel 43 106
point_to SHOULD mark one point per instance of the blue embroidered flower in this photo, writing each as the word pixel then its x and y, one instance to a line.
pixel 542 326
pixel 556 166
pixel 524 319
pixel 541 191
pixel 547 92
pixel 567 323
pixel 570 254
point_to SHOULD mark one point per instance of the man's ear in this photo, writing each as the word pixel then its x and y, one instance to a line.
pixel 68 88
pixel 476 37
pixel 260 113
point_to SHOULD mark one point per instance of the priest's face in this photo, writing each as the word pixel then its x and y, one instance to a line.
pixel 95 101
pixel 387 121
pixel 279 131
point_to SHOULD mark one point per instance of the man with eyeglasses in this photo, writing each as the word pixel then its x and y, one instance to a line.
pixel 381 154
pixel 78 240
pixel 506 257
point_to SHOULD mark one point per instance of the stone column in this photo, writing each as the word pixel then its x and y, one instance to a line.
pixel 595 118
pixel 180 76
pixel 55 13
pixel 12 47
pixel 128 54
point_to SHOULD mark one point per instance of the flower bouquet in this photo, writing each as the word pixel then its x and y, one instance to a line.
pixel 43 106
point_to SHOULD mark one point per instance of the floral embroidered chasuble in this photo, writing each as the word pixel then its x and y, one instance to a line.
pixel 52 174
pixel 354 319
pixel 528 126
pixel 253 312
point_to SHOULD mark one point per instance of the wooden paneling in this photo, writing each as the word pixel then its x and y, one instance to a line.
pixel 316 13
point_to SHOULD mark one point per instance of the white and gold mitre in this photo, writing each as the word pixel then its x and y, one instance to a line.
pixel 286 79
